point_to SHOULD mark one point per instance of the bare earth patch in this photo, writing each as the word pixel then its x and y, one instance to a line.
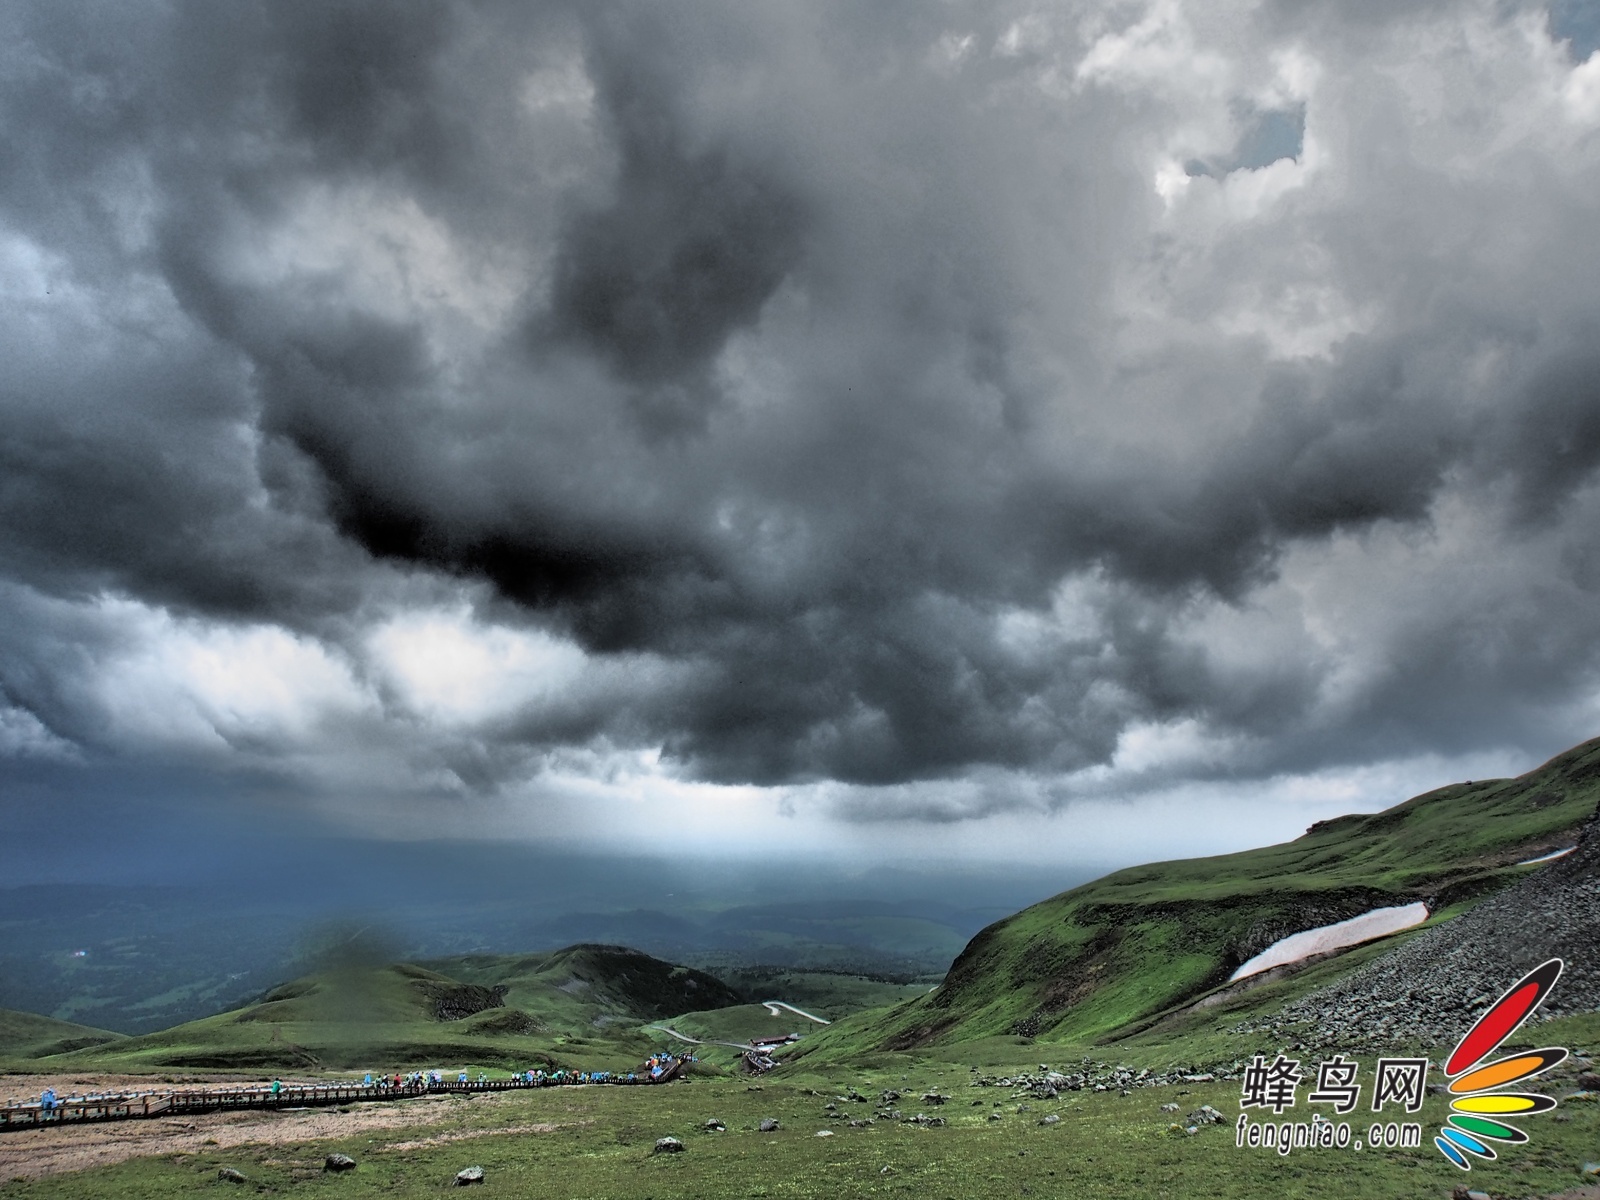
pixel 34 1153
pixel 463 1135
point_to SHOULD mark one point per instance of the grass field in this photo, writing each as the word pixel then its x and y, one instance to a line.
pixel 581 1007
pixel 28 1035
pixel 585 1007
pixel 1105 1145
pixel 829 994
pixel 1108 971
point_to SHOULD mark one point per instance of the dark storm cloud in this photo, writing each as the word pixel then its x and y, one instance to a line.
pixel 690 246
pixel 791 349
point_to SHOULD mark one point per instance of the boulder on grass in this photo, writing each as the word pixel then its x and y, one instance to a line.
pixel 468 1176
pixel 338 1162
pixel 668 1145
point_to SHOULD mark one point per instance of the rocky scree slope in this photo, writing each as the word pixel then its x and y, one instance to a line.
pixel 1428 990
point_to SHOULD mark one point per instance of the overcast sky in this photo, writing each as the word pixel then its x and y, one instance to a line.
pixel 1063 432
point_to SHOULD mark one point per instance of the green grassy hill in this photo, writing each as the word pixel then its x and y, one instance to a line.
pixel 580 1007
pixel 592 986
pixel 1121 954
pixel 26 1036
pixel 828 994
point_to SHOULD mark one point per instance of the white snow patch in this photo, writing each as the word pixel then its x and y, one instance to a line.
pixel 1380 922
pixel 1528 862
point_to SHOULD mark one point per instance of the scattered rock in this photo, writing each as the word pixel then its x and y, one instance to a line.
pixel 887 1171
pixel 338 1162
pixel 1427 988
pixel 1463 1192
pixel 232 1176
pixel 1052 1119
pixel 668 1145
pixel 456 1002
pixel 1205 1115
pixel 468 1176
pixel 823 1133
pixel 861 1124
pixel 994 1116
pixel 1589 1081
pixel 933 1098
pixel 768 1125
pixel 714 1126
pixel 1173 1107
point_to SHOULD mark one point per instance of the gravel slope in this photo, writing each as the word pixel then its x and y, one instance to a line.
pixel 1430 989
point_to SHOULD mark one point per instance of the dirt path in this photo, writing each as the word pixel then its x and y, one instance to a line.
pixel 694 1041
pixel 774 1005
pixel 34 1153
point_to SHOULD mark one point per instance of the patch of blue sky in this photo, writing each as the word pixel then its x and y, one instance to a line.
pixel 1578 23
pixel 1271 135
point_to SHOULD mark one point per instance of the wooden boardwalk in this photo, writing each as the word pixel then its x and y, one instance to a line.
pixel 122 1106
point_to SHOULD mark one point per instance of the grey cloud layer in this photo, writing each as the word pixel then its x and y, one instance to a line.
pixel 813 351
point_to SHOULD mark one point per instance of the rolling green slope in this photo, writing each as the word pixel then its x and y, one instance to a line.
pixel 592 986
pixel 1111 957
pixel 26 1036
pixel 580 1007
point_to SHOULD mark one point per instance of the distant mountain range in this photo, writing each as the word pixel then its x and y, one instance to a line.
pixel 1141 958
pixel 137 959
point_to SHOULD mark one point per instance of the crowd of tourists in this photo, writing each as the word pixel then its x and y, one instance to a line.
pixel 653 1069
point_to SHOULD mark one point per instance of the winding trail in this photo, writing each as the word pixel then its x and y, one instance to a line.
pixel 694 1041
pixel 772 1006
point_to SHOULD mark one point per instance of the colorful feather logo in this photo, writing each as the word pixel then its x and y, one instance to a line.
pixel 1475 1121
